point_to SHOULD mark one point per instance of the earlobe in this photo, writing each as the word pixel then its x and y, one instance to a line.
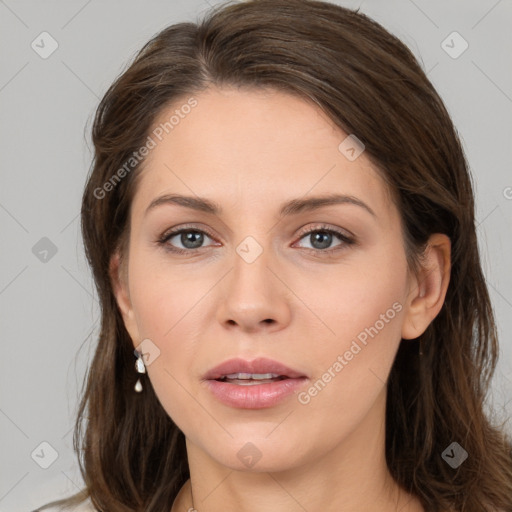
pixel 428 291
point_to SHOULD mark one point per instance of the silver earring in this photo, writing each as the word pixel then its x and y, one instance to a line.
pixel 139 366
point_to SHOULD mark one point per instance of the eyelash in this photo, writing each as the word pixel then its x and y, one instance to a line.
pixel 162 241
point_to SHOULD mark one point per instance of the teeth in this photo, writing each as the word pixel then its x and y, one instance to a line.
pixel 253 376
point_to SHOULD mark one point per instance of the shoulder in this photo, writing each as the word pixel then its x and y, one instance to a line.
pixel 84 506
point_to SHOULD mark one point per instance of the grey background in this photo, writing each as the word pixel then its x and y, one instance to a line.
pixel 49 311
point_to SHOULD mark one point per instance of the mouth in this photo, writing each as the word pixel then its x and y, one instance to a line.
pixel 251 379
pixel 249 373
pixel 258 384
pixel 254 393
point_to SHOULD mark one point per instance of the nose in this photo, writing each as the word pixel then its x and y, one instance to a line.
pixel 254 297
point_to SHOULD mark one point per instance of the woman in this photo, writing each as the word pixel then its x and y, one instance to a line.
pixel 280 223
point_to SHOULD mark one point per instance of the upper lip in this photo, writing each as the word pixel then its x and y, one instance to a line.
pixel 259 365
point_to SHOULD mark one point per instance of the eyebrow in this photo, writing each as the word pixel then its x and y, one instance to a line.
pixel 292 207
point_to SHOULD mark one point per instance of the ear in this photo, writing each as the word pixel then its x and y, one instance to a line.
pixel 428 289
pixel 119 277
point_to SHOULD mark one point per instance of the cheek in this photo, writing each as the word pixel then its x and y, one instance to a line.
pixel 361 309
pixel 169 305
pixel 358 296
pixel 165 298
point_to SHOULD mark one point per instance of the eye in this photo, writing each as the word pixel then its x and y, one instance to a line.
pixel 322 237
pixel 190 239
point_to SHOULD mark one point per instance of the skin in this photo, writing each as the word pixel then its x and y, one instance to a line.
pixel 250 151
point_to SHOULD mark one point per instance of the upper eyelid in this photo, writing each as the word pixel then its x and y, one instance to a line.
pixel 176 231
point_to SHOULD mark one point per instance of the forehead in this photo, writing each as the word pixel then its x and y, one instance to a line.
pixel 251 147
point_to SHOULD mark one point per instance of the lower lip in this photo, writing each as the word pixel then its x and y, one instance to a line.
pixel 257 396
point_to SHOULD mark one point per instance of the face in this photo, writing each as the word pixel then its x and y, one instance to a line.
pixel 324 290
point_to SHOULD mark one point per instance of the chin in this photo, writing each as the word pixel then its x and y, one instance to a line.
pixel 256 455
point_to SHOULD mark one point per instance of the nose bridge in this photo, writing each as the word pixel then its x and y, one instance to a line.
pixel 250 280
pixel 252 296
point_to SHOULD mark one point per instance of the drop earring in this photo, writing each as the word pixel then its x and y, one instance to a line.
pixel 139 366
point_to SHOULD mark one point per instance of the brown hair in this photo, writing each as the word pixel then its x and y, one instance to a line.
pixel 132 456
